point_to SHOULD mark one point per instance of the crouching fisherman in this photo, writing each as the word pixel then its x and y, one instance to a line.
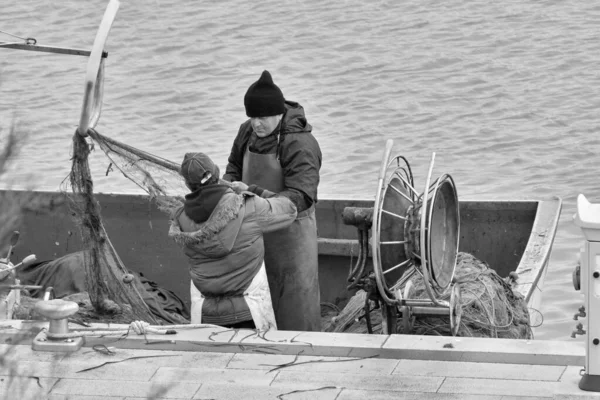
pixel 221 233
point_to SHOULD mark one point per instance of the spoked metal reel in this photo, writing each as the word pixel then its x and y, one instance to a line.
pixel 414 233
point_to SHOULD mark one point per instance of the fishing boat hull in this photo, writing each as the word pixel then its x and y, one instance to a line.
pixel 507 235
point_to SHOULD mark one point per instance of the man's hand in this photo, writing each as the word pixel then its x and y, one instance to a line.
pixel 239 187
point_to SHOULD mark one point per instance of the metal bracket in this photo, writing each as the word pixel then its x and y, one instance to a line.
pixel 42 343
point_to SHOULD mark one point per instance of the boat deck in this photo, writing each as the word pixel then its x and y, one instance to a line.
pixel 215 363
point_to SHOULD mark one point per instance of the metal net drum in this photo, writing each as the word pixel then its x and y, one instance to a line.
pixel 412 232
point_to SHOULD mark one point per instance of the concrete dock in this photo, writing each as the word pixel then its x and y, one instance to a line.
pixel 216 363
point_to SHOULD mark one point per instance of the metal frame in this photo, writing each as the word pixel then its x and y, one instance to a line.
pixel 441 288
pixel 421 207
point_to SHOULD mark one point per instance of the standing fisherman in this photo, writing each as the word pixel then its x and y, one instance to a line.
pixel 275 152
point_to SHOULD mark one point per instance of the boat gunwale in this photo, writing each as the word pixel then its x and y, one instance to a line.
pixel 531 268
pixel 533 265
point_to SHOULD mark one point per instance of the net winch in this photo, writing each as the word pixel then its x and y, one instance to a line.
pixel 411 233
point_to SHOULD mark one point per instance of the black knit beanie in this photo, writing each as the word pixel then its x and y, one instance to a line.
pixel 264 98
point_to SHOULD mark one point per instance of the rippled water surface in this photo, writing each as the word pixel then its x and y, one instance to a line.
pixel 505 93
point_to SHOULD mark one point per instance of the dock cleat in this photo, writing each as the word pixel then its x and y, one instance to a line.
pixel 56 338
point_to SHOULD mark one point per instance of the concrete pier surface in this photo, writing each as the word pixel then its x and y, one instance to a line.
pixel 217 363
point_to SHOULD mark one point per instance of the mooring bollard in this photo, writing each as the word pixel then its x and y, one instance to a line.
pixel 57 311
pixel 587 279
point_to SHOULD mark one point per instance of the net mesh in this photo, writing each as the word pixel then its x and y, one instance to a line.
pixel 157 176
pixel 11 204
pixel 108 292
pixel 488 306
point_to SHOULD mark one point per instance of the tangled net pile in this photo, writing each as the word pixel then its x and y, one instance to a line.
pixel 104 269
pixel 489 307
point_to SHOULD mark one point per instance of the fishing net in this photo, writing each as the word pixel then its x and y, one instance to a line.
pixel 11 205
pixel 488 305
pixel 110 287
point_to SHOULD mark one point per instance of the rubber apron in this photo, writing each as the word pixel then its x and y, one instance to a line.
pixel 257 297
pixel 291 254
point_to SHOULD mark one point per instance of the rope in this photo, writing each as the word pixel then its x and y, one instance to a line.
pixel 28 40
pixel 143 155
pixel 139 327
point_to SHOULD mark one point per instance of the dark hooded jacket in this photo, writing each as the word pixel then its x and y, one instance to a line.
pixel 225 250
pixel 298 151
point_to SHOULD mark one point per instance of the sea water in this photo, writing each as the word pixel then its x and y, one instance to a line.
pixel 505 93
